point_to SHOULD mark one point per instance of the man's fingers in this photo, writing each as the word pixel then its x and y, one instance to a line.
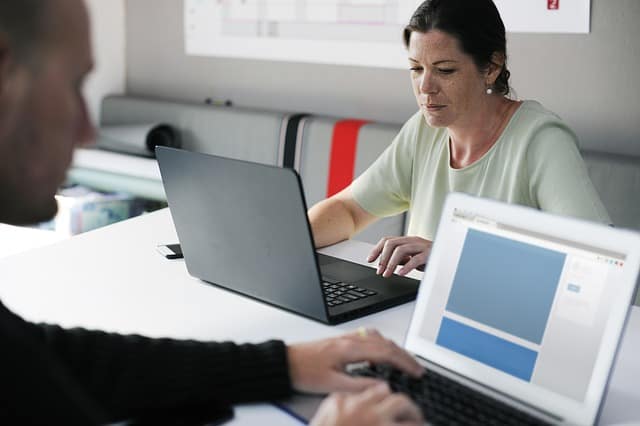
pixel 398 358
pixel 342 382
pixel 382 351
pixel 374 394
pixel 365 333
pixel 400 408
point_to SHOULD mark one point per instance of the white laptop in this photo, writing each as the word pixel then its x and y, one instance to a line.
pixel 525 306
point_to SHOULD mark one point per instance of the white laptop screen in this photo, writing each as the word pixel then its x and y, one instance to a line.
pixel 517 302
pixel 516 308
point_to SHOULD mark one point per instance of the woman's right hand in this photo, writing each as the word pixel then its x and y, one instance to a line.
pixel 376 406
pixel 391 252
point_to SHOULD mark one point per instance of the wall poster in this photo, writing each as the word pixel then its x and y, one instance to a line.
pixel 349 32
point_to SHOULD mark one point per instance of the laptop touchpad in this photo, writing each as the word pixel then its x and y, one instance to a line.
pixel 346 271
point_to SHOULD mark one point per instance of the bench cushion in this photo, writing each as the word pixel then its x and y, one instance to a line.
pixel 238 133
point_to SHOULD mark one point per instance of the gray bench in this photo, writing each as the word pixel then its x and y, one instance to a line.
pixel 259 136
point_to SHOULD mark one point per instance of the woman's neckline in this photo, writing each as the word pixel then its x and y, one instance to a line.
pixel 510 114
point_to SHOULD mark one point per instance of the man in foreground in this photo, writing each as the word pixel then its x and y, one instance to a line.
pixel 51 375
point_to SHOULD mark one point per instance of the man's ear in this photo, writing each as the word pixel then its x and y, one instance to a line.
pixel 5 62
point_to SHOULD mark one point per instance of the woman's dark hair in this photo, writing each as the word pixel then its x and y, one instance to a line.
pixel 476 24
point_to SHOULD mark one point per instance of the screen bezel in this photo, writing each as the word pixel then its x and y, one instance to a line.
pixel 578 231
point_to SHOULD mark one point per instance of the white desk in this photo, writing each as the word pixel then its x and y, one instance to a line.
pixel 113 279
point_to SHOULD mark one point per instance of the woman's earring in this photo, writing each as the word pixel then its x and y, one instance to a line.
pixel 489 91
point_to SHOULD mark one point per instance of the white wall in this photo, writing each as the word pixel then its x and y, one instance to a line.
pixel 109 49
pixel 589 80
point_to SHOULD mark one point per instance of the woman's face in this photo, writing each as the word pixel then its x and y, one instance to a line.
pixel 447 84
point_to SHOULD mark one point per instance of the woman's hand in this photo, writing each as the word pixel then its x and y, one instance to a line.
pixel 319 367
pixel 410 252
pixel 376 406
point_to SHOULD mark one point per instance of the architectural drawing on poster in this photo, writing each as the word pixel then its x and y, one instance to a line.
pixel 349 32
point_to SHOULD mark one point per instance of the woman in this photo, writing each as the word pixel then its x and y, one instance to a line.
pixel 467 137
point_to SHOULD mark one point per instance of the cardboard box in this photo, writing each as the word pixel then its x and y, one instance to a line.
pixel 81 209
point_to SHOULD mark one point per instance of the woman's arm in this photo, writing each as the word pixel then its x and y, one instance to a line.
pixel 338 218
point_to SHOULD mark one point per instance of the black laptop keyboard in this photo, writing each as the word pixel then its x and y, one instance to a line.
pixel 446 402
pixel 337 293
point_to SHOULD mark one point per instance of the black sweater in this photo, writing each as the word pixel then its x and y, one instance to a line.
pixel 50 375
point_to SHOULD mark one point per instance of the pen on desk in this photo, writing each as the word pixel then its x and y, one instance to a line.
pixel 216 102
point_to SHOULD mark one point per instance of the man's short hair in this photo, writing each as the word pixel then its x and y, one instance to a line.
pixel 22 23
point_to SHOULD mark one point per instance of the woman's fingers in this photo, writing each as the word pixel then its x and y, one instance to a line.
pixel 391 252
pixel 377 249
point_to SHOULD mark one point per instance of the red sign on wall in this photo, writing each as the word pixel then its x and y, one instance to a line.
pixel 553 4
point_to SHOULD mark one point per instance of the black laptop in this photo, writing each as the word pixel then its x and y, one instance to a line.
pixel 243 226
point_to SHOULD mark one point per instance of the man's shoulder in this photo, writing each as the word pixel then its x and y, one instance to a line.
pixel 41 392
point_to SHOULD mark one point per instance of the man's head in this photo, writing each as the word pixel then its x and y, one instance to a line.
pixel 45 55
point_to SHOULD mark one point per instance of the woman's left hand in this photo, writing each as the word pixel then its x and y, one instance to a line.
pixel 391 252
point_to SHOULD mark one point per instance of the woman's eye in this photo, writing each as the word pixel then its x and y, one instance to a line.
pixel 415 68
pixel 446 70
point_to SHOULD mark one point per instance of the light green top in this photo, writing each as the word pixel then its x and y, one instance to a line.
pixel 535 162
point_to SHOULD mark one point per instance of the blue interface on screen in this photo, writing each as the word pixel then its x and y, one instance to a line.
pixel 508 286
